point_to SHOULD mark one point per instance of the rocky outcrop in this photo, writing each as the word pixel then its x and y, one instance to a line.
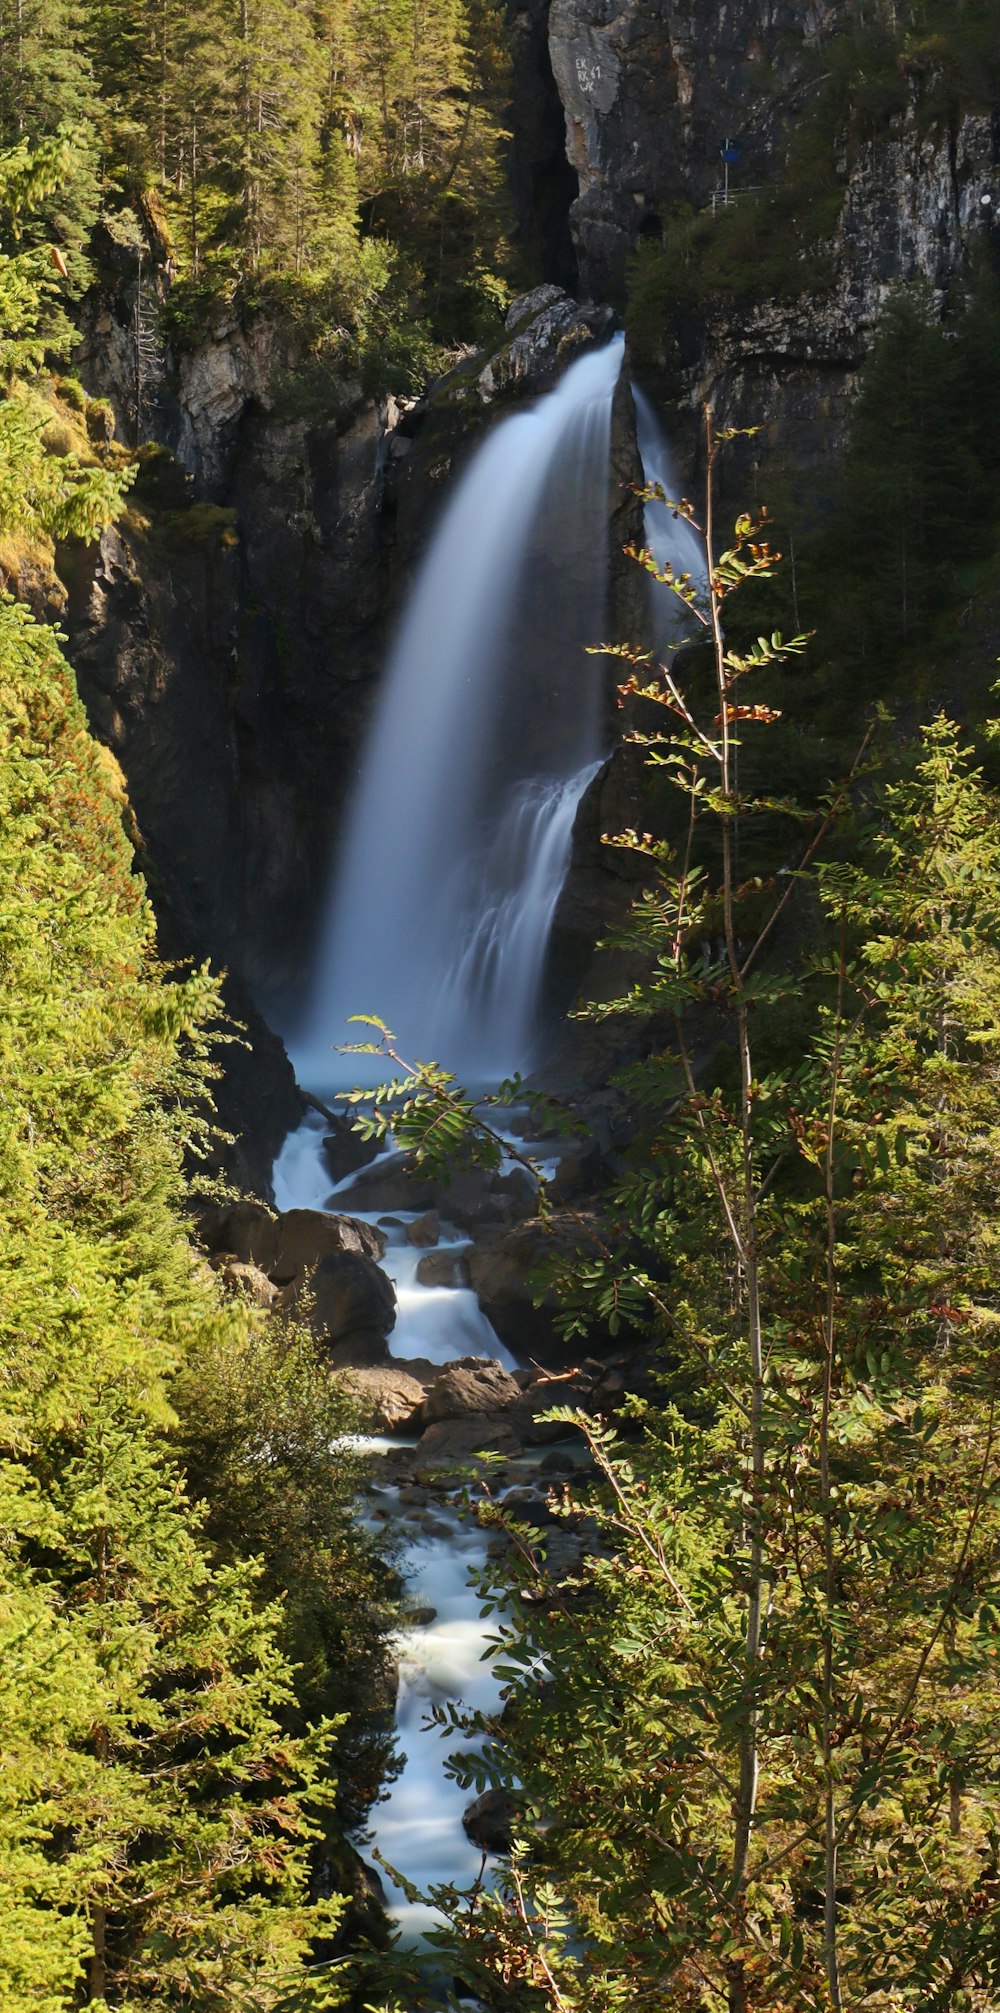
pixel 912 208
pixel 467 1388
pixel 546 330
pixel 652 90
pixel 319 1265
pixel 489 1820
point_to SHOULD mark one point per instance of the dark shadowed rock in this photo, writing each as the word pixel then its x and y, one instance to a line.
pixel 472 1197
pixel 530 1506
pixel 453 1442
pixel 344 1150
pixel 353 1300
pixel 444 1268
pixel 489 1820
pixel 389 1184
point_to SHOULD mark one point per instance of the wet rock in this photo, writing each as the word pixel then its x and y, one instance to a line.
pixel 344 1150
pixel 425 1230
pixel 354 1303
pixel 529 1506
pixel 421 1618
pixel 578 1170
pixel 564 1552
pixel 564 1462
pixel 286 1246
pixel 386 1395
pixel 455 1442
pixel 388 1185
pixel 489 1821
pixel 474 1196
pixel 472 1386
pixel 507 1272
pixel 444 1268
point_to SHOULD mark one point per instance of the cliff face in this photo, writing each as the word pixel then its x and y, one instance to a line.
pixel 652 90
pixel 227 635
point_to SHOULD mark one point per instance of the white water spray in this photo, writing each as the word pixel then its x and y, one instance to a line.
pixel 670 538
pixel 487 728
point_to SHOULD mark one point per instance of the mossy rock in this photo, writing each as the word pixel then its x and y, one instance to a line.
pixel 161 483
pixel 202 527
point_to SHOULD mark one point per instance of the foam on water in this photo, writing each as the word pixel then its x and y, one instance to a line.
pixel 419 1825
pixel 670 538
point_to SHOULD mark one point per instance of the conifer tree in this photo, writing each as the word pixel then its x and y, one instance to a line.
pixel 759 1770
pixel 166 1788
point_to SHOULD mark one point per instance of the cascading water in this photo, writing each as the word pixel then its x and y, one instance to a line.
pixel 486 735
pixel 669 537
pixel 487 730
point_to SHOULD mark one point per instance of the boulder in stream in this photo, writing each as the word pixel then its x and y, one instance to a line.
pixel 354 1305
pixel 424 1230
pixel 446 1267
pixel 386 1395
pixel 344 1150
pixel 473 1385
pixel 472 1197
pixel 507 1270
pixel 489 1820
pixel 456 1442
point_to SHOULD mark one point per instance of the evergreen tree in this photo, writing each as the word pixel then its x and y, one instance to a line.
pixel 760 1769
pixel 167 1786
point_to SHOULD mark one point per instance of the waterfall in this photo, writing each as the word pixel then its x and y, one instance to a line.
pixel 485 738
pixel 669 538
pixel 487 730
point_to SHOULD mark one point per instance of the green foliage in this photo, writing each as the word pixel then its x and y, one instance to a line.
pixel 760 1769
pixel 167 1799
pixel 885 549
pixel 261 1426
pixel 291 149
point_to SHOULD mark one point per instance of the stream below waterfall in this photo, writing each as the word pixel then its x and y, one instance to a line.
pixel 418 1825
pixel 457 842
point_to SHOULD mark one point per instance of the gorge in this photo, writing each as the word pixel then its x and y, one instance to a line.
pixel 337 342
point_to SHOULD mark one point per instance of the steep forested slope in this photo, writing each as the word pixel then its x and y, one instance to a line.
pixel 167 1816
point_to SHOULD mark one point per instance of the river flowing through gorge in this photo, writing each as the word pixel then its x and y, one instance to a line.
pixel 490 726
